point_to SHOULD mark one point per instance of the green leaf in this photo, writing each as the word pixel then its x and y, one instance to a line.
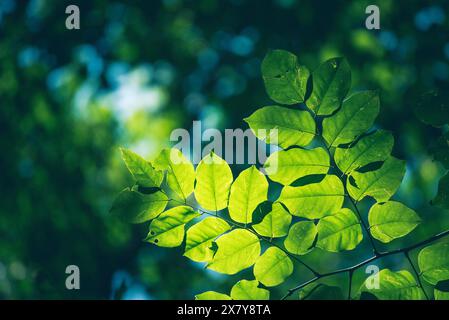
pixel 180 171
pixel 249 290
pixel 356 115
pixel 136 207
pixel 380 184
pixel 391 220
pixel 301 237
pixel 372 148
pixel 248 190
pixel 275 223
pixel 285 80
pixel 294 127
pixel 399 285
pixel 237 250
pixel 212 295
pixel 200 237
pixel 440 295
pixel 142 171
pixel 213 181
pixel 168 229
pixel 273 267
pixel 433 108
pixel 442 198
pixel 321 292
pixel 331 83
pixel 286 166
pixel 340 231
pixel 441 291
pixel 316 200
pixel 440 151
pixel 433 262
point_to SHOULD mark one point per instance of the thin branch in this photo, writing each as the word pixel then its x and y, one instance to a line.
pixel 407 255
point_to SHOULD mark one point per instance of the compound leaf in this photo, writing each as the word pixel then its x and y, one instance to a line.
pixel 399 285
pixel 285 80
pixel 433 262
pixel 372 148
pixel 249 290
pixel 247 192
pixel 391 220
pixel 275 223
pixel 167 230
pixel 180 171
pixel 315 200
pixel 142 171
pixel 340 231
pixel 380 184
pixel 294 127
pixel 301 237
pixel 213 181
pixel 286 166
pixel 273 267
pixel 331 83
pixel 136 207
pixel 200 237
pixel 356 115
pixel 237 250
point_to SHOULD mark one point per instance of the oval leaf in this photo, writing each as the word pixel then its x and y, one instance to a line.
pixel 249 290
pixel 275 223
pixel 212 295
pixel 237 250
pixel 142 171
pixel 248 190
pixel 294 127
pixel 273 267
pixel 391 220
pixel 301 237
pixel 433 262
pixel 213 181
pixel 316 200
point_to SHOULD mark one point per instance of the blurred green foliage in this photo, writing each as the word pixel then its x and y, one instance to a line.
pixel 138 69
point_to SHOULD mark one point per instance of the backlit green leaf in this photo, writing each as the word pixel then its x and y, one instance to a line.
pixel 442 198
pixel 301 237
pixel 433 262
pixel 180 172
pixel 237 250
pixel 340 231
pixel 200 236
pixel 285 80
pixel 355 116
pixel 213 181
pixel 380 184
pixel 391 220
pixel 273 267
pixel 294 127
pixel 315 200
pixel 249 290
pixel 167 230
pixel 289 165
pixel 275 223
pixel 372 148
pixel 248 190
pixel 136 207
pixel 212 295
pixel 142 171
pixel 331 83
pixel 399 285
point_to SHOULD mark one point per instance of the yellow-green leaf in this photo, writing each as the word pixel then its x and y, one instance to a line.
pixel 340 231
pixel 391 220
pixel 433 262
pixel 301 237
pixel 237 250
pixel 273 267
pixel 275 223
pixel 142 171
pixel 167 230
pixel 247 192
pixel 180 171
pixel 286 166
pixel 200 237
pixel 213 181
pixel 249 290
pixel 316 200
pixel 294 127
pixel 212 295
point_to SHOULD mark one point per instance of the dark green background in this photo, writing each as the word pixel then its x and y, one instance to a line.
pixel 138 69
